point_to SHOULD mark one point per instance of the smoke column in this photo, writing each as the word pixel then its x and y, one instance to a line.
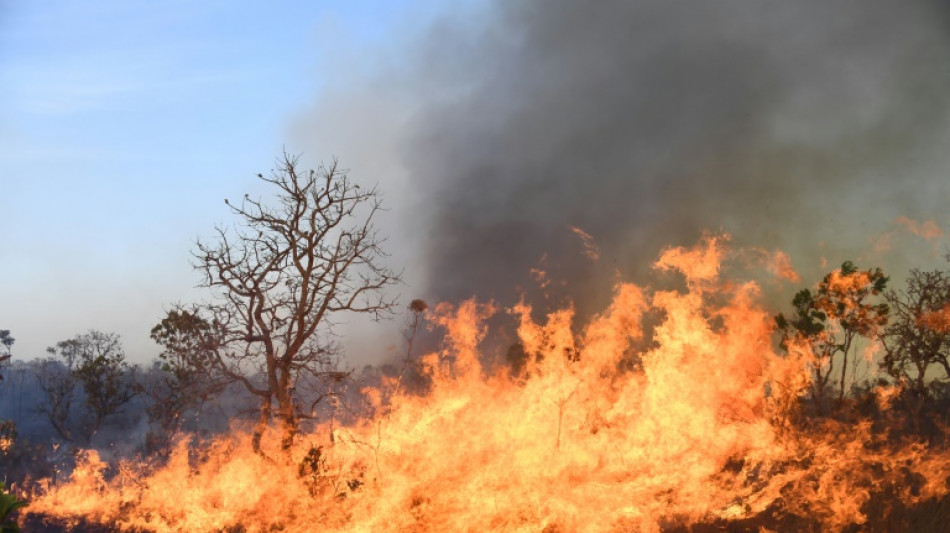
pixel 808 126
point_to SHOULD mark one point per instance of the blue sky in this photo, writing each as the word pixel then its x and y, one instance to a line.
pixel 124 124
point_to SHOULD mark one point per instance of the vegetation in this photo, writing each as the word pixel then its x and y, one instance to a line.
pixel 831 320
pixel 7 427
pixel 6 342
pixel 56 381
pixel 8 505
pixel 183 378
pixel 911 326
pixel 280 278
pixel 95 362
pixel 917 341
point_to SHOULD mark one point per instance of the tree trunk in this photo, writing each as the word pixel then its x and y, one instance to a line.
pixel 818 387
pixel 844 376
pixel 261 425
pixel 290 426
pixel 286 411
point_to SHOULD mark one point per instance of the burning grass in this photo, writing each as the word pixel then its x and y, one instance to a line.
pixel 700 430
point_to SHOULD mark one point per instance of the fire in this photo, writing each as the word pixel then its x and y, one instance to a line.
pixel 623 425
pixel 927 229
pixel 938 320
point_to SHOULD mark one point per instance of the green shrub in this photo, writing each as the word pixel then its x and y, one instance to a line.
pixel 8 504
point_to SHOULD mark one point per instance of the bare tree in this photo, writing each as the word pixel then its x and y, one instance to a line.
pixel 918 336
pixel 417 310
pixel 282 274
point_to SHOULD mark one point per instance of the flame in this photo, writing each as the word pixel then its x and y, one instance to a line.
pixel 927 229
pixel 937 320
pixel 590 246
pixel 775 262
pixel 607 429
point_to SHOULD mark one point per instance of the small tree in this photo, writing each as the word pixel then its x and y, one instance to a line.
pixel 7 427
pixel 918 337
pixel 410 369
pixel 97 363
pixel 6 343
pixel 55 378
pixel 833 318
pixel 283 273
pixel 184 377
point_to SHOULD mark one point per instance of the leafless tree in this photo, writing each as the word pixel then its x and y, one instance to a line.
pixel 918 337
pixel 417 310
pixel 282 274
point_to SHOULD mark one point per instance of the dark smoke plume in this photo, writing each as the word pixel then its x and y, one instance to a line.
pixel 808 126
pixel 643 123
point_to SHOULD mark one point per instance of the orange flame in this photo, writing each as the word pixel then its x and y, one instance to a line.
pixel 590 246
pixel 927 230
pixel 937 320
pixel 695 428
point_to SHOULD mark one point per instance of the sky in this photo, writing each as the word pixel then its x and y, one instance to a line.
pixel 124 125
pixel 506 137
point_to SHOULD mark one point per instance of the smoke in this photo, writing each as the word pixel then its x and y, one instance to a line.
pixel 808 126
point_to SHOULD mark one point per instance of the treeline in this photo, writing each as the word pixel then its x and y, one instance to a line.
pixel 866 346
pixel 83 394
pixel 86 395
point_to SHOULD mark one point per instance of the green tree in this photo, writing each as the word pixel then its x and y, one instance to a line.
pixel 185 376
pixel 96 361
pixel 7 427
pixel 6 343
pixel 281 277
pixel 842 309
